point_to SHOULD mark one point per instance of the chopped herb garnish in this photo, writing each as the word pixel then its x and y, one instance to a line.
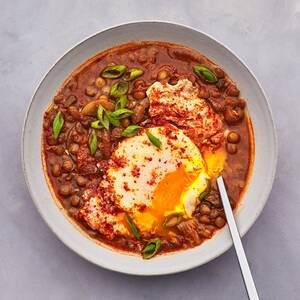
pixel 93 141
pixel 130 130
pixel 121 102
pixel 203 195
pixel 115 122
pixel 151 248
pixel 118 89
pixel 96 124
pixel 113 72
pixel 121 113
pixel 132 74
pixel 58 123
pixel 205 73
pixel 132 226
pixel 102 117
pixel 153 139
pixel 172 220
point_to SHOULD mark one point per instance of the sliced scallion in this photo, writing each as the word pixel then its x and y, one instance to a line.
pixel 131 130
pixel 151 248
pixel 57 125
pixel 153 139
pixel 132 226
pixel 93 141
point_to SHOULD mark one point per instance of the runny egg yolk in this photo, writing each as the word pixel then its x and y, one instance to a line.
pixel 214 162
pixel 170 188
pixel 179 190
pixel 167 198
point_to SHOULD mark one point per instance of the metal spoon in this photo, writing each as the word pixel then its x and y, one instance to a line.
pixel 244 266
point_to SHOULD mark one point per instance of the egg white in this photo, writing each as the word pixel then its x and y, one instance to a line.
pixel 133 192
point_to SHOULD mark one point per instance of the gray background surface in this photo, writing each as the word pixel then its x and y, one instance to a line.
pixel 34 264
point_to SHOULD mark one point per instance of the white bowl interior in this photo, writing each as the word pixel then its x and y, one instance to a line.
pixel 265 148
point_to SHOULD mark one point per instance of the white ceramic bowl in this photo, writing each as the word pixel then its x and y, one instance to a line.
pixel 265 148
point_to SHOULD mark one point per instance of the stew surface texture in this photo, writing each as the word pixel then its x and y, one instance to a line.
pixel 134 140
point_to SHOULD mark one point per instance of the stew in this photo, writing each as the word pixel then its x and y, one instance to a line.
pixel 134 140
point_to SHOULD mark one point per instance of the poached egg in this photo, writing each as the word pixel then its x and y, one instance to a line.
pixel 153 182
pixel 149 182
pixel 181 105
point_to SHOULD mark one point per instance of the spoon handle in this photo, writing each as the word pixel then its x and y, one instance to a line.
pixel 244 266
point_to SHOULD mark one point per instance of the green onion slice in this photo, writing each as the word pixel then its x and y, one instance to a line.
pixel 96 124
pixel 172 220
pixel 118 89
pixel 113 72
pixel 205 73
pixel 121 113
pixel 151 248
pixel 132 74
pixel 57 125
pixel 121 102
pixel 93 142
pixel 115 122
pixel 102 117
pixel 203 195
pixel 132 226
pixel 130 130
pixel 153 139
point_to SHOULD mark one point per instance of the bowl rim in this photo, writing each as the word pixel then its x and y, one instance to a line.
pixel 220 44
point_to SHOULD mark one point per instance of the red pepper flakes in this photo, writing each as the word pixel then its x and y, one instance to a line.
pixel 142 207
pixel 118 162
pixel 153 178
pixel 126 187
pixel 135 171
